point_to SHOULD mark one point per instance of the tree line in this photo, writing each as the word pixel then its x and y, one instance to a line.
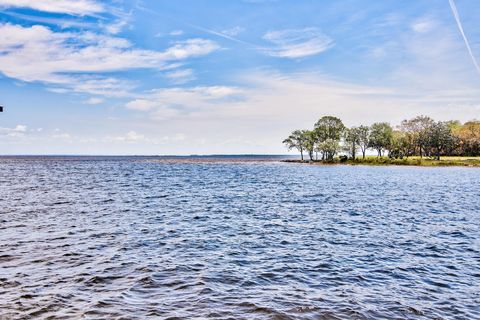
pixel 421 136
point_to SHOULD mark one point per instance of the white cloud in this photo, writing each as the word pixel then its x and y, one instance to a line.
pixel 423 25
pixel 174 102
pixel 95 100
pixel 142 104
pixel 110 87
pixel 20 128
pixel 134 137
pixel 74 7
pixel 189 48
pixel 176 33
pixel 18 131
pixel 118 25
pixel 57 58
pixel 235 31
pixel 63 136
pixel 297 43
pixel 62 22
pixel 181 76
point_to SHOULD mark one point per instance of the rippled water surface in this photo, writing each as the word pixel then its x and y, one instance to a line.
pixel 121 238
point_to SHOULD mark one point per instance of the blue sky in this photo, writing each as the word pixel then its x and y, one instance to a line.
pixel 216 76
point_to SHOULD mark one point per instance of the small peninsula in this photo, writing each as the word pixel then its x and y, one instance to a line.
pixel 420 141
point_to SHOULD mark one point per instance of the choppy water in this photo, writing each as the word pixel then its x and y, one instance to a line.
pixel 120 238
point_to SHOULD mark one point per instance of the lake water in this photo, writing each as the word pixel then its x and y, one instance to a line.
pixel 180 238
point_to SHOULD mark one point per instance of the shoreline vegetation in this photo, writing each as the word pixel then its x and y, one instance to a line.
pixel 420 141
pixel 386 161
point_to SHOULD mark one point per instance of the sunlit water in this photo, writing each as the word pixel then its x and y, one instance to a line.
pixel 120 238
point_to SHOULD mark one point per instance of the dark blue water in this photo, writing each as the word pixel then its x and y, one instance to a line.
pixel 124 238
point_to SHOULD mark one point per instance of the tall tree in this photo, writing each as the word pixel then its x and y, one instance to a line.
pixel 352 140
pixel 381 136
pixel 329 127
pixel 416 130
pixel 400 145
pixel 296 140
pixel 440 138
pixel 329 131
pixel 310 142
pixel 363 138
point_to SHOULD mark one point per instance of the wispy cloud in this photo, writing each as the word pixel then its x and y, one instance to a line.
pixel 271 95
pixel 460 27
pixel 18 131
pixel 122 20
pixel 61 22
pixel 76 60
pixel 173 102
pixel 111 21
pixel 232 32
pixel 95 100
pixel 176 33
pixel 297 43
pixel 423 25
pixel 181 76
pixel 133 136
pixel 74 7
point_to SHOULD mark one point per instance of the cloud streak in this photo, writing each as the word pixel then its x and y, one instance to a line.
pixel 465 39
pixel 297 43
pixel 290 43
pixel 73 7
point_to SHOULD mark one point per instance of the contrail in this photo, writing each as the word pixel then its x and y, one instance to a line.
pixel 459 24
pixel 200 28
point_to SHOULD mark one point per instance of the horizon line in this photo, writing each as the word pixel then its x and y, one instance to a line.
pixel 149 155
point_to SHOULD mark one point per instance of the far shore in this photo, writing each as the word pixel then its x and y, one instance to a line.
pixel 385 161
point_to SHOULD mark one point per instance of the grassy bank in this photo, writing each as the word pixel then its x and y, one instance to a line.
pixel 411 161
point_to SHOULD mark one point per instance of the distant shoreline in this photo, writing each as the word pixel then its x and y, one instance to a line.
pixel 385 161
pixel 205 159
pixel 214 158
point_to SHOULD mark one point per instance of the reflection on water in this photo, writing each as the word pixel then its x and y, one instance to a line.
pixel 123 238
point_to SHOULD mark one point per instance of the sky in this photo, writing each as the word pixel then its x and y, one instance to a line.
pixel 163 77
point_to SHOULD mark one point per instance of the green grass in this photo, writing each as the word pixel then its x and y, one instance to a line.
pixel 410 161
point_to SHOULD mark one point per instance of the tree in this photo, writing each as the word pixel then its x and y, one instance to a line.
pixel 380 136
pixel 329 148
pixel 328 132
pixel 416 130
pixel 440 138
pixel 310 142
pixel 363 138
pixel 421 136
pixel 329 127
pixel 468 138
pixel 296 140
pixel 352 140
pixel 399 146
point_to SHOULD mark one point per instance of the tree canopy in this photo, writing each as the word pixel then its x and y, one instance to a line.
pixel 419 136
